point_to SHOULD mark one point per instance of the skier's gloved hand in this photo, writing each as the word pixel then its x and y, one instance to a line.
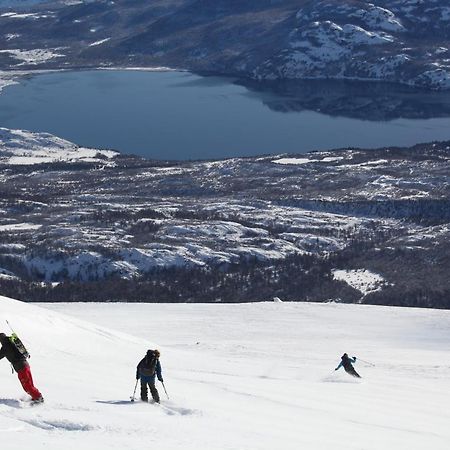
pixel 160 379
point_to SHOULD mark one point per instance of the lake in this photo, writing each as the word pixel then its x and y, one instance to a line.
pixel 181 116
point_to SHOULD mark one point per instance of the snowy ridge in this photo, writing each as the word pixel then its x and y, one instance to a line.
pixel 230 387
pixel 100 42
pixel 379 18
pixel 32 57
pixel 361 40
pixel 26 148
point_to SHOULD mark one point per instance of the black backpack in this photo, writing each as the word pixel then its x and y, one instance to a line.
pixel 18 345
pixel 149 365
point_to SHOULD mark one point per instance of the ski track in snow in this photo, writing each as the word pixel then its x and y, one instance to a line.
pixel 248 376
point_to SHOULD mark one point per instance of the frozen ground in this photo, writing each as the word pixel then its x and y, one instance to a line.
pixel 248 376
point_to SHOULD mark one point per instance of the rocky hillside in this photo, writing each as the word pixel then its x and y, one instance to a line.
pixel 404 41
pixel 400 40
pixel 349 225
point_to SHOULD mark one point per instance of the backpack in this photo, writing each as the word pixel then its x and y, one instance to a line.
pixel 148 366
pixel 18 345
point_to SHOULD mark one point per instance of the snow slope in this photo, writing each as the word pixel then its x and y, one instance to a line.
pixel 248 376
pixel 27 148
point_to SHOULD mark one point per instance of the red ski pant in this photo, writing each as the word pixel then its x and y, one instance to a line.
pixel 26 380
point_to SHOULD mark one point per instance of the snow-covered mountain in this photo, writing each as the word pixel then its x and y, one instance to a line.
pixel 74 219
pixel 230 386
pixel 389 40
pixel 402 41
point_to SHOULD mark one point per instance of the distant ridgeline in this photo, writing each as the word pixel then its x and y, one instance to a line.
pixel 391 40
pixel 351 225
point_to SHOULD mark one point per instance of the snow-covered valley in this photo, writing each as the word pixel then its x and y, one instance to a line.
pixel 249 376
pixel 349 225
pixel 81 223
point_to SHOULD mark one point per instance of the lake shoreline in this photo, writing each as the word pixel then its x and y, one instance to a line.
pixel 165 114
pixel 11 77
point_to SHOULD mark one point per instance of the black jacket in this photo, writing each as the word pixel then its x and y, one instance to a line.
pixel 10 352
pixel 149 366
pixel 347 362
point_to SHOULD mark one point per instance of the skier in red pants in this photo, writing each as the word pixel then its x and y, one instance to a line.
pixel 21 366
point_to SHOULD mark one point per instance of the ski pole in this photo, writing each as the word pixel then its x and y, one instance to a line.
pixel 10 327
pixel 162 382
pixel 367 362
pixel 134 392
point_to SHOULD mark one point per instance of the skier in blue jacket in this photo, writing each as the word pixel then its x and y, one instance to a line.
pixel 147 370
pixel 346 363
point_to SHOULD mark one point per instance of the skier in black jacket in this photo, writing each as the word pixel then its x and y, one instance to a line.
pixel 20 365
pixel 346 363
pixel 147 370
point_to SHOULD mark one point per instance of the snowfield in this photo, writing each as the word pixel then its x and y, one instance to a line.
pixel 248 376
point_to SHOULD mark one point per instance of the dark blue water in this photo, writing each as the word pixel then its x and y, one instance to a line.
pixel 173 115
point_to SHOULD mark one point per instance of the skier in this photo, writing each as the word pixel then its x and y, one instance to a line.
pixel 147 369
pixel 21 366
pixel 346 363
